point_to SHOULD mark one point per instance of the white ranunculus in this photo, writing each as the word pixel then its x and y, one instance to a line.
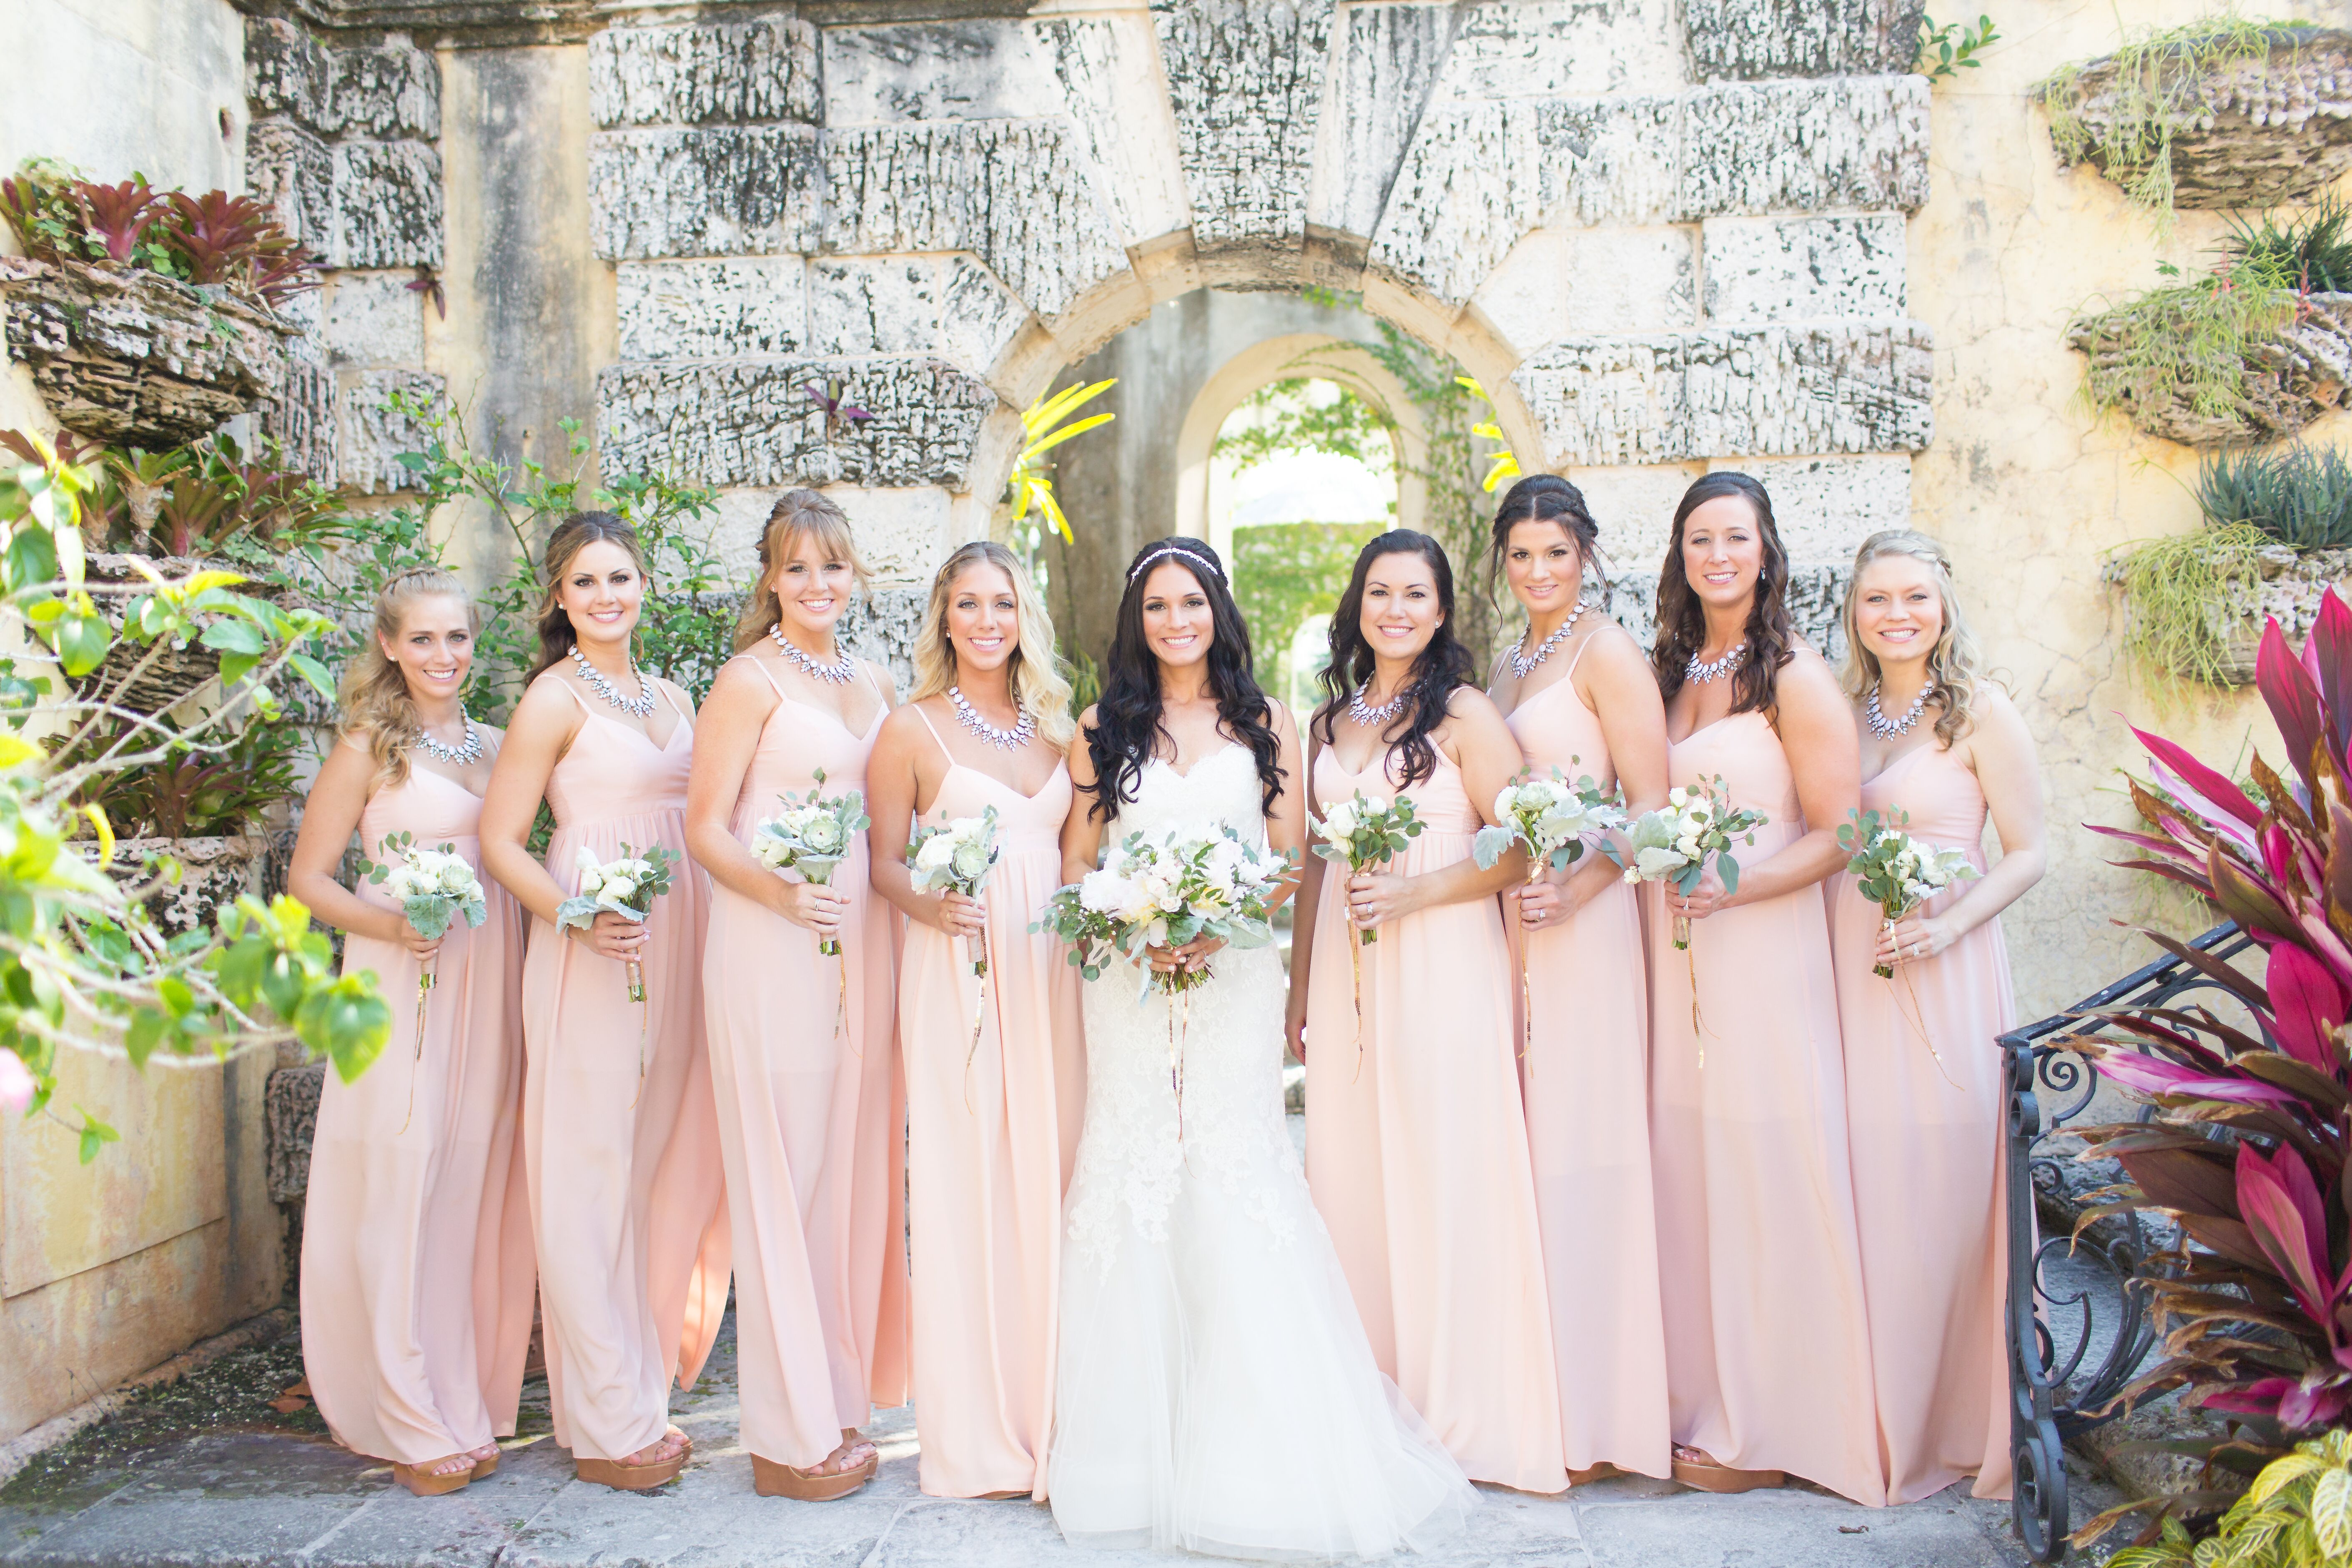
pixel 1676 797
pixel 936 852
pixel 1375 804
pixel 1340 822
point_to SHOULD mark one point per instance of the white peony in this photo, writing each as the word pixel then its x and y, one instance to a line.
pixel 937 853
pixel 1104 893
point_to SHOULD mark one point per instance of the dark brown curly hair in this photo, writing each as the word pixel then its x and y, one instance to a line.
pixel 1771 634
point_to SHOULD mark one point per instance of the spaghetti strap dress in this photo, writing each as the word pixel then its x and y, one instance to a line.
pixel 1928 1134
pixel 1767 1358
pixel 1417 1151
pixel 991 1136
pixel 811 1121
pixel 1585 1076
pixel 416 1256
pixel 620 1130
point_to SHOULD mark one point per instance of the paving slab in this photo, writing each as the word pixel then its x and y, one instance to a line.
pixel 222 1480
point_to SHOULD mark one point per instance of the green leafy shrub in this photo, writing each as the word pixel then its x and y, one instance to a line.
pixel 2300 496
pixel 2296 1514
pixel 1948 48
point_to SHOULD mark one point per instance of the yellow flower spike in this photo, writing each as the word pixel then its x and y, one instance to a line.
pixel 105 831
pixel 1471 381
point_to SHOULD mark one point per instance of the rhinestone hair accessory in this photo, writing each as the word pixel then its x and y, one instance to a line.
pixel 1164 551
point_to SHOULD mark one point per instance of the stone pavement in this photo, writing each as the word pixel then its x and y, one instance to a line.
pixel 212 1475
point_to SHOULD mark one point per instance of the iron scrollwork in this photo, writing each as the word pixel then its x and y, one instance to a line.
pixel 2058 1391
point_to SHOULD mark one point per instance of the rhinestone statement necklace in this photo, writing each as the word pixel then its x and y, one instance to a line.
pixel 640 706
pixel 841 673
pixel 1524 663
pixel 1370 717
pixel 1012 740
pixel 463 756
pixel 1886 729
pixel 1715 669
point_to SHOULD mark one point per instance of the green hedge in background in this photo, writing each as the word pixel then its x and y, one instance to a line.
pixel 1285 574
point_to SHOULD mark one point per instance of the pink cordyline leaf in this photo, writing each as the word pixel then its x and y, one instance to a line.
pixel 2277 847
pixel 2198 784
pixel 2327 654
pixel 2301 1407
pixel 2292 690
pixel 2260 1397
pixel 2307 1004
pixel 2151 1075
pixel 2281 1208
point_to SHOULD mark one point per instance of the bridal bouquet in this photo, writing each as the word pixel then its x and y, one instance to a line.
pixel 1165 889
pixel 956 857
pixel 812 836
pixel 1550 818
pixel 1674 845
pixel 1895 871
pixel 1364 830
pixel 436 887
pixel 627 885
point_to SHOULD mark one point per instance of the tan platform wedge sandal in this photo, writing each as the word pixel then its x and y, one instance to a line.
pixel 770 1478
pixel 484 1469
pixel 1703 1472
pixel 421 1480
pixel 624 1476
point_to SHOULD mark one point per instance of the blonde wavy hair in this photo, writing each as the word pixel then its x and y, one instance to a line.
pixel 1955 666
pixel 799 514
pixel 1039 683
pixel 377 708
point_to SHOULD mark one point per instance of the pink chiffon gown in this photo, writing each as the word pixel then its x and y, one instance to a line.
pixel 620 1129
pixel 1768 1357
pixel 1928 1141
pixel 417 1257
pixel 1586 1080
pixel 1417 1152
pixel 811 1122
pixel 992 1137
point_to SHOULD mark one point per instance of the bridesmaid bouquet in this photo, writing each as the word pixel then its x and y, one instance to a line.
pixel 1550 818
pixel 436 889
pixel 1364 830
pixel 1895 871
pixel 812 836
pixel 956 857
pixel 627 885
pixel 1697 824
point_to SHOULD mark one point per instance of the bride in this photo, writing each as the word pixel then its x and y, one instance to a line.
pixel 1215 1390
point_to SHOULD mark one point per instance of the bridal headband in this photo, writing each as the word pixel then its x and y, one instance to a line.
pixel 1167 550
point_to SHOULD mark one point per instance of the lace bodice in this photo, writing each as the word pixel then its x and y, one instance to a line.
pixel 1222 790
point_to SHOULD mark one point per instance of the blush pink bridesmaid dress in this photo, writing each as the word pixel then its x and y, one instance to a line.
pixel 811 1121
pixel 1768 1357
pixel 417 1257
pixel 1417 1152
pixel 1586 1080
pixel 1927 1139
pixel 991 1138
pixel 620 1130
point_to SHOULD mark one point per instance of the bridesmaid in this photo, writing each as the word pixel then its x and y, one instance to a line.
pixel 810 1125
pixel 417 1266
pixel 1944 744
pixel 992 1124
pixel 1416 1142
pixel 620 1134
pixel 1766 1355
pixel 1576 693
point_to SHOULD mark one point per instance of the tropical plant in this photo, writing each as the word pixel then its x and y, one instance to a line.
pixel 115 220
pixel 236 242
pixel 2121 113
pixel 2311 251
pixel 193 794
pixel 2185 343
pixel 1948 48
pixel 1032 483
pixel 2296 1514
pixel 83 966
pixel 2246 1140
pixel 213 239
pixel 2189 600
pixel 2300 495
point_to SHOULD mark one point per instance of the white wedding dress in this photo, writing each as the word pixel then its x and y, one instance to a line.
pixel 1215 1392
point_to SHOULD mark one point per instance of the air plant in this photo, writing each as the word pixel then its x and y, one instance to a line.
pixel 1032 484
pixel 829 399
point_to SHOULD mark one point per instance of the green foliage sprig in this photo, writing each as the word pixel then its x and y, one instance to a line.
pixel 2186 340
pixel 83 964
pixel 1298 415
pixel 2188 599
pixel 1948 48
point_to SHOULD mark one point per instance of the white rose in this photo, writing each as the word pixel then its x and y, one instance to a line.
pixel 1375 804
pixel 1340 822
pixel 938 851
pixel 1676 797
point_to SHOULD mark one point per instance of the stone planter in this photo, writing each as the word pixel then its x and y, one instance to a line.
pixel 2291 380
pixel 214 872
pixel 2292 585
pixel 2257 133
pixel 176 673
pixel 136 358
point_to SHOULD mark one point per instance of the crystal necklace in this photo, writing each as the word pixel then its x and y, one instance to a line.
pixel 463 756
pixel 1524 663
pixel 1886 729
pixel 1373 717
pixel 640 706
pixel 1012 740
pixel 843 669
pixel 1715 669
